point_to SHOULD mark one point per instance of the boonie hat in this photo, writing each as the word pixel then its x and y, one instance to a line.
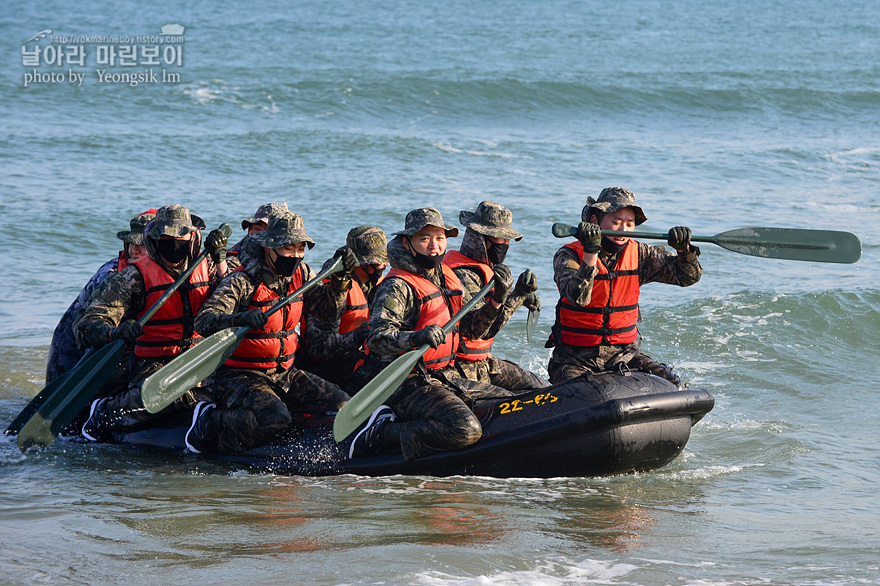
pixel 370 245
pixel 491 219
pixel 263 213
pixel 418 219
pixel 612 199
pixel 283 229
pixel 137 224
pixel 173 220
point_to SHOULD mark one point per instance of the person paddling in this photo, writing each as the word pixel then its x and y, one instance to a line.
pixel 599 278
pixel 411 305
pixel 487 236
pixel 258 387
pixel 334 344
pixel 173 240
pixel 256 223
pixel 63 350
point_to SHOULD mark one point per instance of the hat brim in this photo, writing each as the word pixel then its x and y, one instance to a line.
pixel 608 208
pixel 130 237
pixel 271 241
pixel 451 231
pixel 372 258
pixel 467 219
pixel 175 229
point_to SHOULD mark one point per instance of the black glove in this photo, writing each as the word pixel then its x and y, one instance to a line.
pixel 215 244
pixel 128 330
pixel 431 335
pixel 532 302
pixel 590 237
pixel 349 260
pixel 255 319
pixel 503 283
pixel 680 238
pixel 527 283
pixel 361 334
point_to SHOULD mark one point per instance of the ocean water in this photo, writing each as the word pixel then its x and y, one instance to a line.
pixel 716 116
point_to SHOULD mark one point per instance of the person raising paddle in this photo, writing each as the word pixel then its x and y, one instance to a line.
pixel 411 305
pixel 599 277
pixel 258 387
pixel 487 237
pixel 173 240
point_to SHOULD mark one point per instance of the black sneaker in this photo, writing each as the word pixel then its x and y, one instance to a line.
pixel 369 439
pixel 95 428
pixel 200 434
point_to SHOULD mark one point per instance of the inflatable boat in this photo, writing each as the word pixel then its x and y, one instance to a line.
pixel 596 425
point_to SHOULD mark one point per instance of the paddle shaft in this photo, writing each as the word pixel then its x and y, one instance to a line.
pixel 59 408
pixel 383 385
pixel 781 243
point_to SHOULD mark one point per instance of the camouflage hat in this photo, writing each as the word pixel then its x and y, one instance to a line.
pixel 137 225
pixel 283 229
pixel 418 219
pixel 369 244
pixel 173 220
pixel 612 199
pixel 491 219
pixel 263 213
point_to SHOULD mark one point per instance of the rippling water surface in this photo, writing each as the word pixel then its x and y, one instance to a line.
pixel 717 117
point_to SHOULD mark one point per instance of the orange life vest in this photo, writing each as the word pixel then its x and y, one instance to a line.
pixel 275 344
pixel 170 331
pixel 471 350
pixel 437 309
pixel 357 311
pixel 611 315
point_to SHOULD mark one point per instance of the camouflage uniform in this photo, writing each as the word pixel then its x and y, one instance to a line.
pixel 63 350
pixel 492 219
pixel 122 298
pixel 575 280
pixel 255 405
pixel 431 405
pixel 328 353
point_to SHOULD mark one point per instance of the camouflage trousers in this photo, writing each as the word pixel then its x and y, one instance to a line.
pixel 125 409
pixel 501 373
pixel 255 406
pixel 568 362
pixel 338 370
pixel 434 413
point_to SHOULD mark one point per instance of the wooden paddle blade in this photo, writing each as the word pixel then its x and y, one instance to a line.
pixel 190 368
pixel 70 398
pixel 375 393
pixel 792 244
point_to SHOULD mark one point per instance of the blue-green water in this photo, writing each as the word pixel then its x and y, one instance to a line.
pixel 717 117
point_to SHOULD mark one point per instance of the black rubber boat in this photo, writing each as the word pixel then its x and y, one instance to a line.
pixel 595 426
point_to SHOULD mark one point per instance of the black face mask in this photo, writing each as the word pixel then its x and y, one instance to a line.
pixel 286 265
pixel 172 250
pixel 496 252
pixel 612 247
pixel 373 278
pixel 428 262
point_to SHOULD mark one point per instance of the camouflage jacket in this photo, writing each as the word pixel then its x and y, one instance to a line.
pixel 235 292
pixel 473 245
pixel 122 297
pixel 575 278
pixel 394 312
pixel 323 340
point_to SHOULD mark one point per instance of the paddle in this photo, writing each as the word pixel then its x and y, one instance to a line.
pixel 386 382
pixel 79 386
pixel 782 243
pixel 198 363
